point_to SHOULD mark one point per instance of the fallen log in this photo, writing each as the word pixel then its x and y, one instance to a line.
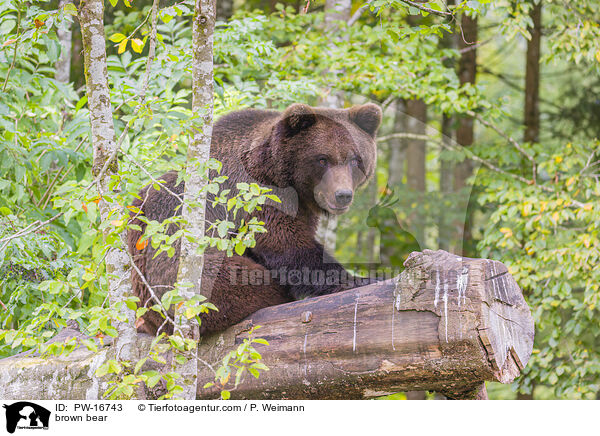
pixel 446 324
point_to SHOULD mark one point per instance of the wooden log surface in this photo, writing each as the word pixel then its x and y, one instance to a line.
pixel 446 324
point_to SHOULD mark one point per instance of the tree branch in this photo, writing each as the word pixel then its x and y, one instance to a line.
pixel 357 14
pixel 474 157
pixel 509 138
pixel 428 10
pixel 14 59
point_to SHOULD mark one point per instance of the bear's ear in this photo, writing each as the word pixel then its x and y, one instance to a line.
pixel 367 117
pixel 298 117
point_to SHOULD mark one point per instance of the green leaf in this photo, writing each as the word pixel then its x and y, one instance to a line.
pixel 260 341
pixel 82 101
pixel 7 26
pixel 102 371
pixel 122 46
pixel 259 365
pixel 139 365
pixel 153 377
pixel 91 345
pixel 117 37
pixel 70 8
pixel 240 248
pixel 222 228
pixel 137 45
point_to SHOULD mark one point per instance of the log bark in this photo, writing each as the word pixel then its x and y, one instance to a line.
pixel 446 324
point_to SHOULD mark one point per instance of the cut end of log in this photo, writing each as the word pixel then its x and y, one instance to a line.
pixel 507 322
pixel 472 292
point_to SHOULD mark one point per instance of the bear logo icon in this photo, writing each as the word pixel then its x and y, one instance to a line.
pixel 26 415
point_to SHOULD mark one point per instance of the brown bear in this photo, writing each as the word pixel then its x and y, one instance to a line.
pixel 314 159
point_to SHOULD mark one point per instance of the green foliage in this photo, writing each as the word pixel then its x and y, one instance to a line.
pixel 548 236
pixel 238 362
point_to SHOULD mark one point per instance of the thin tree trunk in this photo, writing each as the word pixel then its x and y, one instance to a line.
pixel 416 122
pixel 76 56
pixel 63 66
pixel 532 77
pixel 371 236
pixel 467 70
pixel 450 40
pixel 191 263
pixel 105 162
pixel 397 146
pixel 532 94
pixel 396 165
pixel 416 150
pixel 446 169
pixel 335 10
pixel 416 119
pixel 224 9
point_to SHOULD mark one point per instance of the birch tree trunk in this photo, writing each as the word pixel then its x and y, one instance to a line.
pixel 63 66
pixel 224 9
pixel 91 16
pixel 191 262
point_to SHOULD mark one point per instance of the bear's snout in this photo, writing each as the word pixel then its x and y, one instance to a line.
pixel 335 191
pixel 343 197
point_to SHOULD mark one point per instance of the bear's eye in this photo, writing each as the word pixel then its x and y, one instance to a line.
pixel 354 162
pixel 323 162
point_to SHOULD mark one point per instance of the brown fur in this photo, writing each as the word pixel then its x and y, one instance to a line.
pixel 284 151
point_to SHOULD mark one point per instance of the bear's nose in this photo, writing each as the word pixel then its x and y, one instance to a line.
pixel 343 197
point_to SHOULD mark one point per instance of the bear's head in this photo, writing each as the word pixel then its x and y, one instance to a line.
pixel 326 153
